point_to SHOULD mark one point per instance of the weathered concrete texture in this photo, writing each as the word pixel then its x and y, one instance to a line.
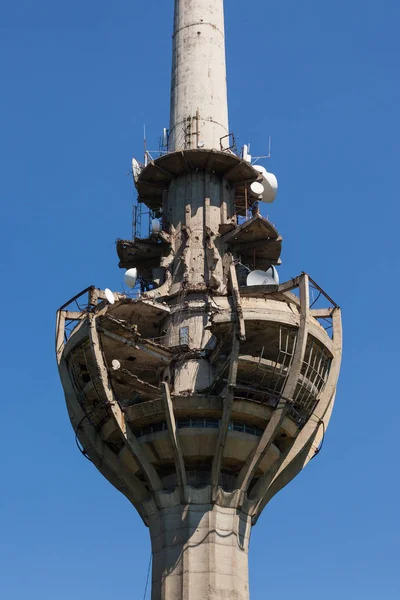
pixel 200 400
pixel 200 552
pixel 199 108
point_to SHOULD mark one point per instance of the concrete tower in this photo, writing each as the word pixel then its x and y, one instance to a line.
pixel 206 394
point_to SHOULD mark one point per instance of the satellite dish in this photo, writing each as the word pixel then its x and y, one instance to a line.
pixel 260 169
pixel 116 364
pixel 109 296
pixel 270 183
pixel 256 189
pixel 271 187
pixel 268 277
pixel 155 226
pixel 130 277
pixel 135 169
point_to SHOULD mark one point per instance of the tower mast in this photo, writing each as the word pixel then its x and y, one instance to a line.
pixel 199 107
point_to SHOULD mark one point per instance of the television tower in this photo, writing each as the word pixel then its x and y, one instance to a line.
pixel 205 393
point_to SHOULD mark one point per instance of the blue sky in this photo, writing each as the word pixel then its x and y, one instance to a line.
pixel 78 80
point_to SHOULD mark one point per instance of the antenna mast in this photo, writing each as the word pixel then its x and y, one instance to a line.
pixel 198 81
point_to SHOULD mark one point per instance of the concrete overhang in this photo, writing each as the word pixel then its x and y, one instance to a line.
pixel 155 178
pixel 248 411
pixel 273 312
pixel 147 315
pixel 144 253
pixel 257 240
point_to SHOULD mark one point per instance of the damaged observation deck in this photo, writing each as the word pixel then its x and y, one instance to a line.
pixel 206 394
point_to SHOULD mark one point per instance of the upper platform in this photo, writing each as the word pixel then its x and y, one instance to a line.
pixel 257 241
pixel 154 179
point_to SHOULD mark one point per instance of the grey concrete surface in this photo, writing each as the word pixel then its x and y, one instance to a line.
pixel 222 392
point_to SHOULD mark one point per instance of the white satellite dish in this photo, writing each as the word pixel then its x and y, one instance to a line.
pixel 109 296
pixel 271 187
pixel 270 183
pixel 130 277
pixel 256 189
pixel 135 169
pixel 268 277
pixel 155 226
pixel 260 169
pixel 115 364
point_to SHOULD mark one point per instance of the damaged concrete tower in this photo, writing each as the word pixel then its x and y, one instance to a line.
pixel 206 392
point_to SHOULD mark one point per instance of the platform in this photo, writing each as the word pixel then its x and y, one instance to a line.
pixel 144 252
pixel 257 241
pixel 154 179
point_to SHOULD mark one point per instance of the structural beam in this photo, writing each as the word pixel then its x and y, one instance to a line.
pixel 237 302
pixel 60 332
pixel 249 469
pixel 131 442
pixel 97 451
pixel 226 411
pixel 140 344
pixel 310 436
pixel 173 435
pixel 322 313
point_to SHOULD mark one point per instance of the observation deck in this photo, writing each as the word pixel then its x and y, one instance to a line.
pixel 265 406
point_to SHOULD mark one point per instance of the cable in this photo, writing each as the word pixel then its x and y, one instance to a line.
pixel 318 450
pixel 316 300
pixel 77 442
pixel 147 578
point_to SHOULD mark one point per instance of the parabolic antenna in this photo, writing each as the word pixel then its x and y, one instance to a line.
pixel 270 183
pixel 115 364
pixel 109 296
pixel 130 277
pixel 256 189
pixel 260 169
pixel 268 277
pixel 135 169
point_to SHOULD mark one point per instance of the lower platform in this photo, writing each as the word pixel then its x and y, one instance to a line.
pixel 231 395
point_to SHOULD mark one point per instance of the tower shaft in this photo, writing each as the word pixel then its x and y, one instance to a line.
pixel 200 551
pixel 199 108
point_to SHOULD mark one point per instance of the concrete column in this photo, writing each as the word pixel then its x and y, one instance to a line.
pixel 200 552
pixel 199 107
pixel 195 202
pixel 194 207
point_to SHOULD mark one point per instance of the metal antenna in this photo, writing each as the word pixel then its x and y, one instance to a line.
pixel 144 146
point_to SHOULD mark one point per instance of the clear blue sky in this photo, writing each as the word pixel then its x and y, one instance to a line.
pixel 78 80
